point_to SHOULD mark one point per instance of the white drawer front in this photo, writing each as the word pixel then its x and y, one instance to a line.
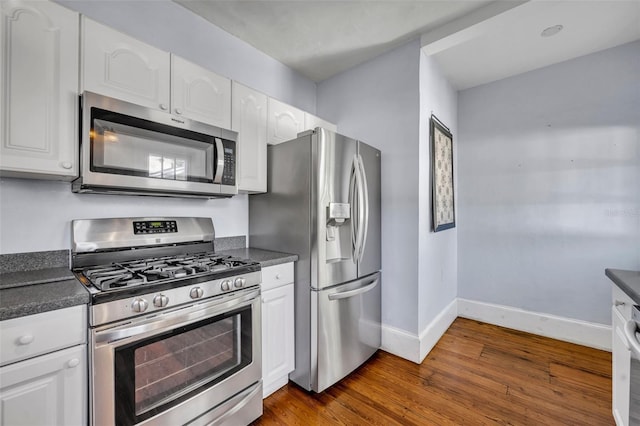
pixel 277 275
pixel 622 302
pixel 32 335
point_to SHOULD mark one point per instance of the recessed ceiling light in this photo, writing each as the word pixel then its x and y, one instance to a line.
pixel 551 31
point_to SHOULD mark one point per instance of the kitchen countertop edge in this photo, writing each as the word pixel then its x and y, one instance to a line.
pixel 627 281
pixel 16 302
pixel 264 257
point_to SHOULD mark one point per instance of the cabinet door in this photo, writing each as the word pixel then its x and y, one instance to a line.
pixel 277 338
pixel 621 370
pixel 284 122
pixel 249 119
pixel 311 122
pixel 200 94
pixel 119 66
pixel 39 90
pixel 45 390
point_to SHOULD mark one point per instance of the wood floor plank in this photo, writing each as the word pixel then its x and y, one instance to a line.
pixel 477 374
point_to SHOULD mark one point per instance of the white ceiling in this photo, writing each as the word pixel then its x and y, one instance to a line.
pixel 474 41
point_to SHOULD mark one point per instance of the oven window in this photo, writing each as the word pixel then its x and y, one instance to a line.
pixel 126 145
pixel 158 373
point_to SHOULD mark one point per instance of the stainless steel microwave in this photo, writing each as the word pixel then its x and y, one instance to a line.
pixel 129 149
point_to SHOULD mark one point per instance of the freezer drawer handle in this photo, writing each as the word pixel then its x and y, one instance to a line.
pixel 351 293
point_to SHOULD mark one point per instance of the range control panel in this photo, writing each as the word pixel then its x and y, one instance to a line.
pixel 155 227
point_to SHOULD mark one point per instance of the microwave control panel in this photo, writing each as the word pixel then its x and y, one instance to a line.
pixel 155 227
pixel 229 172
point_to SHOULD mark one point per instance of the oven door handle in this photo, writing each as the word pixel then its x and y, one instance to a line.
pixel 173 319
pixel 241 400
pixel 630 329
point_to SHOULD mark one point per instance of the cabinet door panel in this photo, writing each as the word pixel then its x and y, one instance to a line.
pixel 284 122
pixel 200 94
pixel 39 90
pixel 277 336
pixel 249 119
pixel 122 67
pixel 45 390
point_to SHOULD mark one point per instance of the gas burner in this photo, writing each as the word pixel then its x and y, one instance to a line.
pixel 160 269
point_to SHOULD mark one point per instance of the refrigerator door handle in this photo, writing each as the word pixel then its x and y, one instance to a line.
pixel 353 195
pixel 364 208
pixel 351 293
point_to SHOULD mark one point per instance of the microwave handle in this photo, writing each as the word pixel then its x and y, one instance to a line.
pixel 219 163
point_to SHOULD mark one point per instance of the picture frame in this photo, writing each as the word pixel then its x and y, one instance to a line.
pixel 443 194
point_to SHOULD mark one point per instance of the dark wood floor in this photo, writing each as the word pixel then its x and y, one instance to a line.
pixel 477 374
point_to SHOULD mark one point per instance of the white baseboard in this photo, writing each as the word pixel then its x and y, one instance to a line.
pixel 274 385
pixel 569 330
pixel 436 328
pixel 401 343
pixel 415 348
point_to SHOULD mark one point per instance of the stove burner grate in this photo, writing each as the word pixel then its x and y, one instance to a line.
pixel 153 270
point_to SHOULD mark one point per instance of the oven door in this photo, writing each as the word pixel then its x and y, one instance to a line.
pixel 174 367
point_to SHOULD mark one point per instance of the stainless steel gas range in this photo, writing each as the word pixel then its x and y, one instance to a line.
pixel 175 333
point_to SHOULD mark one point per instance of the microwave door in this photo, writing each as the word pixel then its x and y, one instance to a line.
pixel 129 149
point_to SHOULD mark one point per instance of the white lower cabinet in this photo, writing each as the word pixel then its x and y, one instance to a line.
pixel 43 373
pixel 45 390
pixel 621 354
pixel 278 351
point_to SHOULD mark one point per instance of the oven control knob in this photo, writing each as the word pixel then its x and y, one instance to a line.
pixel 196 293
pixel 160 301
pixel 239 282
pixel 139 305
pixel 226 285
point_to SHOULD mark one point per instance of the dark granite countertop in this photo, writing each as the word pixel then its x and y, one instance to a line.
pixel 36 298
pixel 628 281
pixel 37 276
pixel 50 285
pixel 35 282
pixel 265 257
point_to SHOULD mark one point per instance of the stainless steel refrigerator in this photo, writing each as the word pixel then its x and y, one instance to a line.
pixel 323 204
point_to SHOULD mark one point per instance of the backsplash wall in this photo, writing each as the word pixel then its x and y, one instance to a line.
pixel 36 215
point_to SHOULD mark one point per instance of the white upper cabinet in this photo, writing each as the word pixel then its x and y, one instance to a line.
pixel 284 122
pixel 311 122
pixel 200 94
pixel 117 65
pixel 38 90
pixel 249 119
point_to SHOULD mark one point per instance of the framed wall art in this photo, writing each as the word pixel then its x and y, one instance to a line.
pixel 444 215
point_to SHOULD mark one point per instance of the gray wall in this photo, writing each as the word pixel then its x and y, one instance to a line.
pixel 35 215
pixel 378 102
pixel 438 251
pixel 549 185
